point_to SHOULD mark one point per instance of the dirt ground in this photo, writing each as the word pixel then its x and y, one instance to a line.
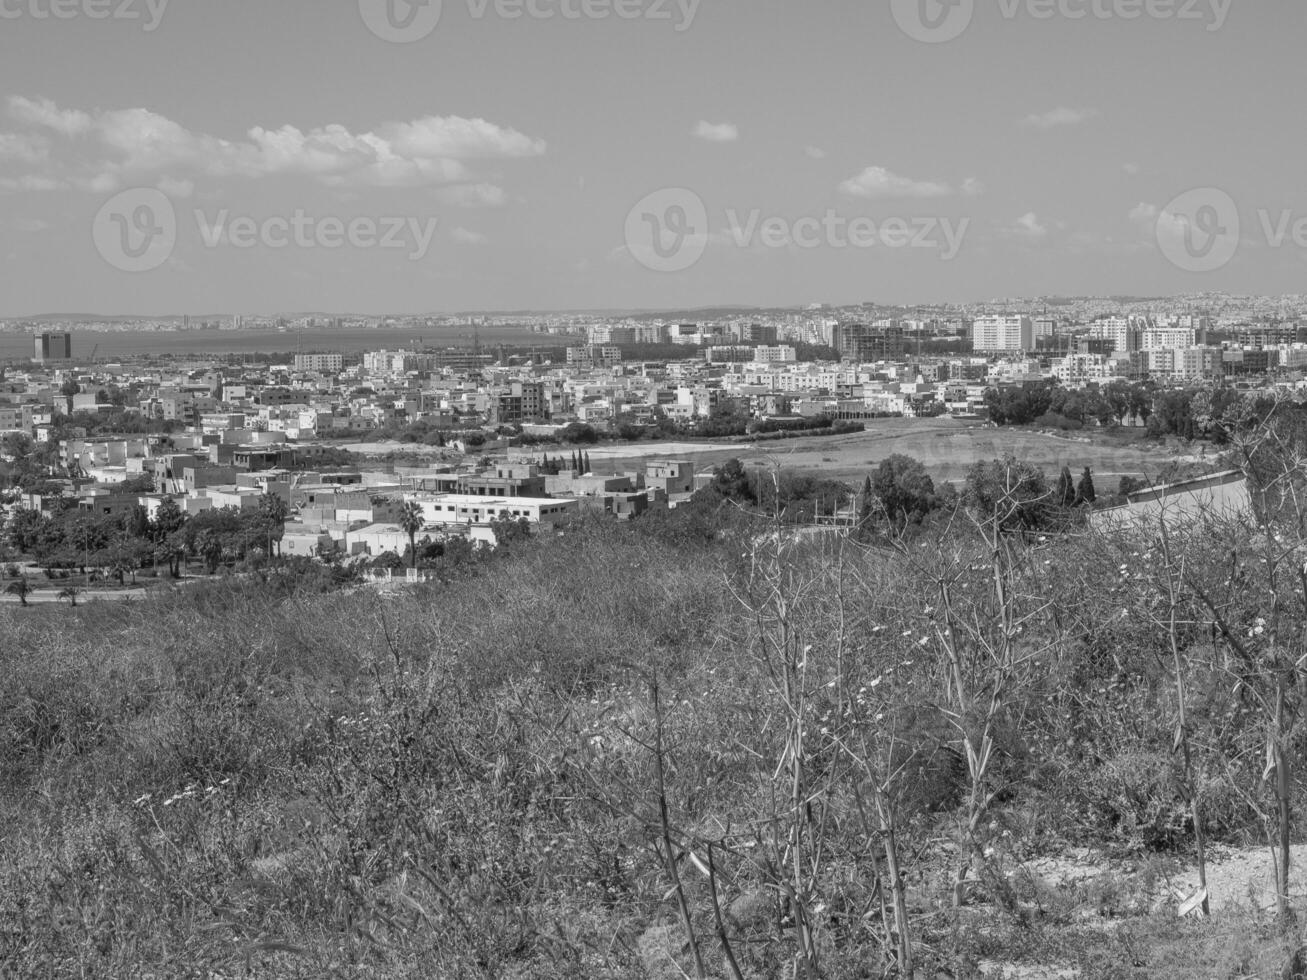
pixel 1237 878
pixel 947 447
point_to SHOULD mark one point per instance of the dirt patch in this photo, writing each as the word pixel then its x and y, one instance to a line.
pixel 1237 878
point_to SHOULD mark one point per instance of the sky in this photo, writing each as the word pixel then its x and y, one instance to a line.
pixel 373 156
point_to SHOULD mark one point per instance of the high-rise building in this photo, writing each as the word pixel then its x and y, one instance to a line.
pixel 54 347
pixel 864 343
pixel 1125 333
pixel 1003 334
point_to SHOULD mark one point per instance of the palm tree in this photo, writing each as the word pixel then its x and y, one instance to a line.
pixel 274 511
pixel 21 588
pixel 211 549
pixel 412 521
pixel 70 593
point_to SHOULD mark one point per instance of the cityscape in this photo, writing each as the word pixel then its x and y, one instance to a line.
pixel 650 490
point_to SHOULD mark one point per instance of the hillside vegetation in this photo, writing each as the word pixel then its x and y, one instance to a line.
pixel 695 745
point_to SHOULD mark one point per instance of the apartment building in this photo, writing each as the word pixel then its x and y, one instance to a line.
pixel 1003 334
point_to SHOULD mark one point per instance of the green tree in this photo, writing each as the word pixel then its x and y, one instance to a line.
pixel 732 482
pixel 168 519
pixel 1129 485
pixel 273 512
pixel 1085 489
pixel 904 491
pixel 411 522
pixel 137 523
pixel 1009 493
pixel 507 531
pixel 209 546
pixel 138 484
pixel 21 588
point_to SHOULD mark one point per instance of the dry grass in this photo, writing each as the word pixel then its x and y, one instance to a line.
pixel 947 448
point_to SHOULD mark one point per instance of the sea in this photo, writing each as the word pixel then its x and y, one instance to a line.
pixel 110 345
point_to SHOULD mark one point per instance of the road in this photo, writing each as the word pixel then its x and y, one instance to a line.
pixel 45 597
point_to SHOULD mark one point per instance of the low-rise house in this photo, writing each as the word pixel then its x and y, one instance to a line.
pixel 451 508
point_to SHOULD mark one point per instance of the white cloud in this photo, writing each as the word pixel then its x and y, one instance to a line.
pixel 114 148
pixel 1131 168
pixel 177 188
pixel 1061 116
pixel 717 132
pixel 45 114
pixel 877 183
pixel 472 196
pixel 1029 226
pixel 972 187
pixel 815 152
pixel 465 237
pixel 24 147
pixel 459 139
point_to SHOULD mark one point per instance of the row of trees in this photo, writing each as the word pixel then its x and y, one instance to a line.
pixel 1051 404
pixel 899 495
pixel 73 538
pixel 1217 414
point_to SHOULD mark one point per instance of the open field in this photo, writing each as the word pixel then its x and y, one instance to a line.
pixel 947 447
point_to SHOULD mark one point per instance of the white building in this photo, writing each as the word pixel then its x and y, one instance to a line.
pixel 1003 334
pixel 775 355
pixel 1170 338
pixel 1079 369
pixel 324 363
pixel 454 508
pixel 1125 333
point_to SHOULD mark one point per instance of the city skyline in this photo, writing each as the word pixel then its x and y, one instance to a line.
pixel 465 170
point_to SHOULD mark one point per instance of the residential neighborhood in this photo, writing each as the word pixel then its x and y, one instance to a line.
pixel 466 439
